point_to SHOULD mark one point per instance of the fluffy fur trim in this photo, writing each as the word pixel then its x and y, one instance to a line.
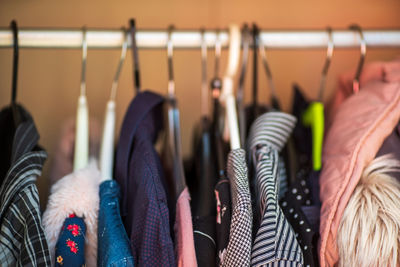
pixel 369 231
pixel 76 193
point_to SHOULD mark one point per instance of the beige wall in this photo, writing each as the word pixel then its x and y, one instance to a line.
pixel 49 79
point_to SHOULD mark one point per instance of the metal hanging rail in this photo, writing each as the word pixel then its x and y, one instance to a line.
pixel 187 39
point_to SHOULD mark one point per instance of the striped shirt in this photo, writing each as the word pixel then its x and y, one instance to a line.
pixel 22 239
pixel 275 243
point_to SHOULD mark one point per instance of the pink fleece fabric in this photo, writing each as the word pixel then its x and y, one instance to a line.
pixel 77 192
pixel 186 255
pixel 62 158
pixel 358 128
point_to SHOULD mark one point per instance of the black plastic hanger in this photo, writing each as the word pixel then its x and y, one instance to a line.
pixel 216 85
pixel 135 56
pixel 255 71
pixel 14 107
pixel 246 39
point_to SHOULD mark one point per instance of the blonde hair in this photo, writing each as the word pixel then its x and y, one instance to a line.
pixel 369 231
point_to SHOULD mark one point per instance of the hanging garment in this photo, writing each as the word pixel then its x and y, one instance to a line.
pixel 357 131
pixel 239 246
pixel 252 111
pixel 144 205
pixel 185 250
pixel 224 211
pixel 113 243
pixel 76 193
pixel 310 203
pixel 372 72
pixel 22 238
pixel 62 161
pixel 70 247
pixel 222 188
pixel 301 204
pixel 275 242
pixel 307 237
pixel 203 199
pixel 177 191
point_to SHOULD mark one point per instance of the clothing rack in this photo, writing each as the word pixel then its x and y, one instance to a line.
pixel 191 39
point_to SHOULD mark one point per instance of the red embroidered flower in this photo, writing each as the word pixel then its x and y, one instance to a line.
pixel 75 229
pixel 74 250
pixel 72 245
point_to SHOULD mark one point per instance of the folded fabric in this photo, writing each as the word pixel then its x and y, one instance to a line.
pixel 76 193
pixel 358 130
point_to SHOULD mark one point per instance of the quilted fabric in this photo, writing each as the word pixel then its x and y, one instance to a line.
pixel 360 125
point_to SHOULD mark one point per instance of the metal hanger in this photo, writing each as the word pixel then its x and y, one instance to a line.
pixel 363 48
pixel 329 53
pixel 246 39
pixel 107 142
pixel 135 56
pixel 216 83
pixel 313 116
pixel 15 111
pixel 274 98
pixel 255 33
pixel 170 54
pixel 81 152
pixel 204 82
pixel 174 123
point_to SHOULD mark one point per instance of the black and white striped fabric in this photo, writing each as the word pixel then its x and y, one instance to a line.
pixel 22 238
pixel 275 242
pixel 239 246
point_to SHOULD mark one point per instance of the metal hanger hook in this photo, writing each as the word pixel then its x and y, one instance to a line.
pixel 14 29
pixel 170 53
pixel 246 39
pixel 363 48
pixel 217 52
pixel 120 64
pixel 329 53
pixel 263 54
pixel 204 84
pixel 84 57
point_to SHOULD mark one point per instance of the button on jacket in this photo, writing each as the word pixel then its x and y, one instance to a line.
pixel 22 238
pixel 275 243
pixel 144 207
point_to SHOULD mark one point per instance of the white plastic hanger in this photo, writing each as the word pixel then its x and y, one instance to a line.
pixel 227 86
pixel 107 141
pixel 81 152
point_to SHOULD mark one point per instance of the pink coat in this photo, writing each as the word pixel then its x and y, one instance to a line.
pixel 358 129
